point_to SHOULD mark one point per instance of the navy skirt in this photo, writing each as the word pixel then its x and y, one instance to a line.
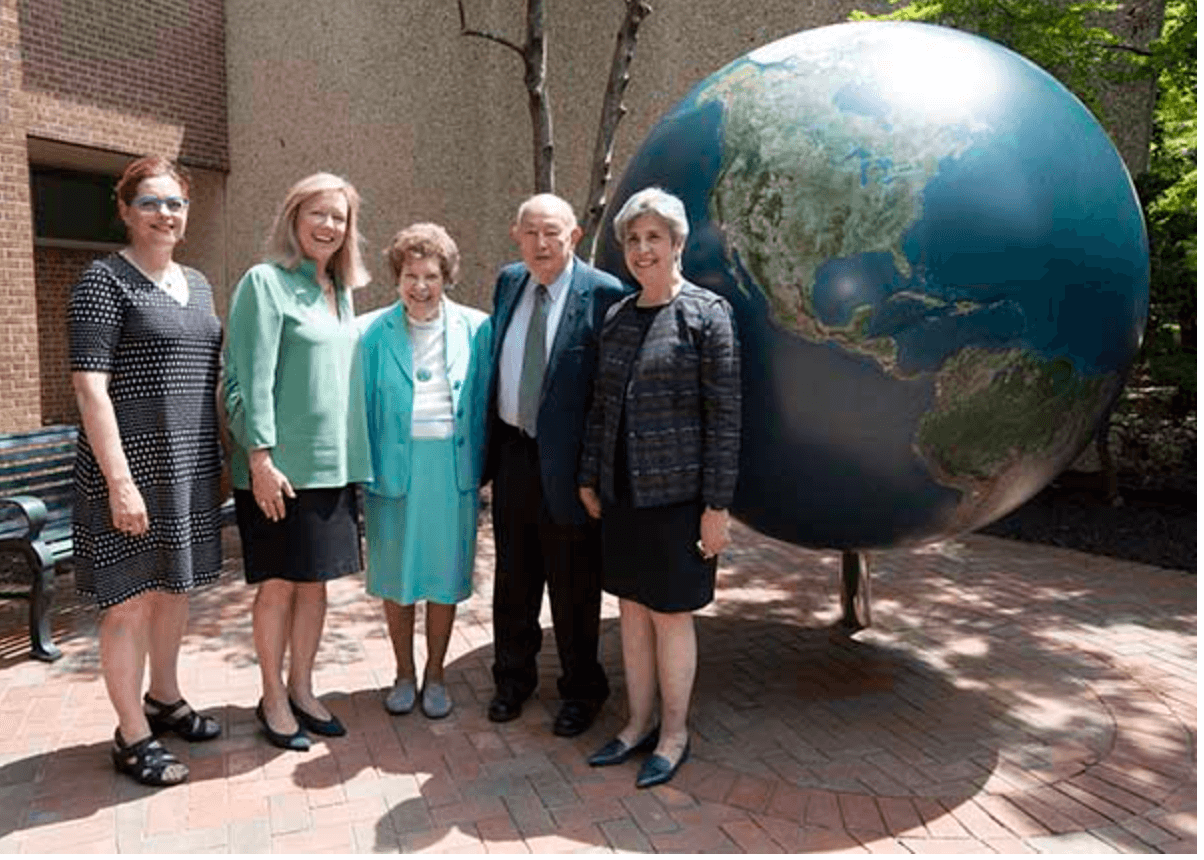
pixel 318 539
pixel 650 555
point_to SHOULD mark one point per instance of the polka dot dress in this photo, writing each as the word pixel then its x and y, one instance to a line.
pixel 163 361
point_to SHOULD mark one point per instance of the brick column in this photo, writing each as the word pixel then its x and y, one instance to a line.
pixel 20 385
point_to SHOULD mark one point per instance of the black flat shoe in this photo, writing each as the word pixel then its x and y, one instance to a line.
pixel 331 728
pixel 297 741
pixel 657 770
pixel 617 752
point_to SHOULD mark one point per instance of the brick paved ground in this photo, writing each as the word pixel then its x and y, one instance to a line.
pixel 1010 698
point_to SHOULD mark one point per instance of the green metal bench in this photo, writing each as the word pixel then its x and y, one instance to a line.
pixel 36 493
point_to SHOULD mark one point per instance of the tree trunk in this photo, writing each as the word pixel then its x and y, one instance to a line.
pixel 535 56
pixel 613 111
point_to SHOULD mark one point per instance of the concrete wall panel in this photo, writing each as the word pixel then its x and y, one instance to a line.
pixel 430 125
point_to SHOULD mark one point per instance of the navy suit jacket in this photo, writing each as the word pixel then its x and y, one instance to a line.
pixel 568 383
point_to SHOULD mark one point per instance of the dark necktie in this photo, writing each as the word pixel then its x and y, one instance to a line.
pixel 534 360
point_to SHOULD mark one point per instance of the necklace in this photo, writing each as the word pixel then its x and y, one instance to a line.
pixel 173 281
pixel 426 339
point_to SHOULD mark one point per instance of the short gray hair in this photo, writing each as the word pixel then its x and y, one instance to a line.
pixel 548 204
pixel 658 202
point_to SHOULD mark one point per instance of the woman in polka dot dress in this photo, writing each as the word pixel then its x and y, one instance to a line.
pixel 145 347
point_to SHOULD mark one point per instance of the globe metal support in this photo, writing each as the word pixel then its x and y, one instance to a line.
pixel 854 592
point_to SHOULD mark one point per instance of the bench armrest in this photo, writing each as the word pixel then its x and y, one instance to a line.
pixel 34 511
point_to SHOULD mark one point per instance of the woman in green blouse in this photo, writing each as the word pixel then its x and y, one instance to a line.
pixel 296 414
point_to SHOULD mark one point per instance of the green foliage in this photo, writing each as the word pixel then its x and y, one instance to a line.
pixel 1059 37
pixel 1169 188
pixel 1168 191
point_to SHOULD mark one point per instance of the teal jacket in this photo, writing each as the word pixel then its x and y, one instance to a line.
pixel 292 381
pixel 388 382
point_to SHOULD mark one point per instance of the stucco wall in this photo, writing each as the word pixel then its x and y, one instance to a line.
pixel 430 125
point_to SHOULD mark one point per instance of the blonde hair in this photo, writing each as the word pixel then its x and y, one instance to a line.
pixel 346 264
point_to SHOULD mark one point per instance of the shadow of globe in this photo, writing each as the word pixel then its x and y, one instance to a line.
pixel 818 736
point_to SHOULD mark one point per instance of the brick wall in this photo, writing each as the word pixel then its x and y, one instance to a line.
pixel 132 75
pixel 56 271
pixel 118 76
pixel 19 392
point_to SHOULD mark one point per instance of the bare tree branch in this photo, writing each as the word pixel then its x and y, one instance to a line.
pixel 485 34
pixel 1132 49
pixel 534 54
pixel 613 111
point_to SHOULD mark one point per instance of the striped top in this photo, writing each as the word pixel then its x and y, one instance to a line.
pixel 432 415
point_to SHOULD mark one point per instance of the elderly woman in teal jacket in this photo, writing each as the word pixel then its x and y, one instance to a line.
pixel 425 365
pixel 295 409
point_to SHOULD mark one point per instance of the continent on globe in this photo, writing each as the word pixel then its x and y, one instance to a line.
pixel 939 269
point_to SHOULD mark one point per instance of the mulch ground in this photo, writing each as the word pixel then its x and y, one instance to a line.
pixel 1151 526
pixel 1153 521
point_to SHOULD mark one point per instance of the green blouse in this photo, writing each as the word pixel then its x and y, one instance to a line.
pixel 292 381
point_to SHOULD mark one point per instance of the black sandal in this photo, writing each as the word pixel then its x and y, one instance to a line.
pixel 148 761
pixel 179 717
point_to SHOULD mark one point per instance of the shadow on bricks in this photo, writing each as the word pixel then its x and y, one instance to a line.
pixel 1008 698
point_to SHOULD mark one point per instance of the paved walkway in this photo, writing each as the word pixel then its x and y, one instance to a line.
pixel 1010 698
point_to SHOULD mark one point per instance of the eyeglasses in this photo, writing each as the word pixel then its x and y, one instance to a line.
pixel 150 204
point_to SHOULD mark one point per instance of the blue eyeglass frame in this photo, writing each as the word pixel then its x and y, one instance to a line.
pixel 150 203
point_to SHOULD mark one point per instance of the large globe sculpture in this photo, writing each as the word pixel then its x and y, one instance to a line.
pixel 938 265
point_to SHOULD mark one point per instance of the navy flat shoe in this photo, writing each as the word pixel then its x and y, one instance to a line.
pixel 331 728
pixel 297 741
pixel 617 752
pixel 657 770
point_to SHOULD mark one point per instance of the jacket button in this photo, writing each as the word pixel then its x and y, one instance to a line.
pixel 460 443
pixel 456 384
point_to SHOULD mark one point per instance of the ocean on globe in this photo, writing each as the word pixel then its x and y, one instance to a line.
pixel 938 265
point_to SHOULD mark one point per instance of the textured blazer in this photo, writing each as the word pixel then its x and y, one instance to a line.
pixel 567 383
pixel 387 364
pixel 680 387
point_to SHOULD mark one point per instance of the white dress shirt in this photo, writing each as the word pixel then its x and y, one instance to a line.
pixel 510 364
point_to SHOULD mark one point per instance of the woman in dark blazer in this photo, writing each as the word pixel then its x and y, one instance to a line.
pixel 659 468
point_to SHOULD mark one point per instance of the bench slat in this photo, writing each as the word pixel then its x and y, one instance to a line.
pixel 39 463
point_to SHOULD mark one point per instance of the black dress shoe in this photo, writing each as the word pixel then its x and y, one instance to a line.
pixel 576 715
pixel 297 741
pixel 505 707
pixel 657 770
pixel 331 728
pixel 617 752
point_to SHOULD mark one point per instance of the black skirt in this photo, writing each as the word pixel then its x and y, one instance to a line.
pixel 650 555
pixel 318 539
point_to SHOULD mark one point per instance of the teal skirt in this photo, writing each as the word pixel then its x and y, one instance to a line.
pixel 422 547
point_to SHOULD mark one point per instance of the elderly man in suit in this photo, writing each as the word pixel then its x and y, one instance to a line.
pixel 547 312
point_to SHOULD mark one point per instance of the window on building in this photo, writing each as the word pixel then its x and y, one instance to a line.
pixel 72 206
